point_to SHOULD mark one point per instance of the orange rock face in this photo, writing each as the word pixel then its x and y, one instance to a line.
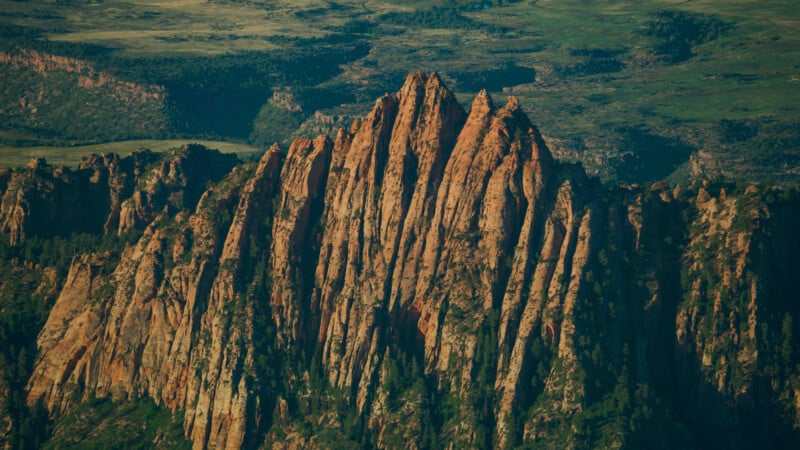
pixel 453 232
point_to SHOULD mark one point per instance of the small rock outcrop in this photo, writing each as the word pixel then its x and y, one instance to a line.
pixel 106 193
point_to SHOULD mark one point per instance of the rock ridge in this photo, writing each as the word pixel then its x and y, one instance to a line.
pixel 525 293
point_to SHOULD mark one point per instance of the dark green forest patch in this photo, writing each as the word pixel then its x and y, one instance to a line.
pixel 102 424
pixel 677 32
pixel 438 17
pixel 648 156
pixel 493 78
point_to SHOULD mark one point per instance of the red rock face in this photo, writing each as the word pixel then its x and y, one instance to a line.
pixel 422 224
pixel 379 213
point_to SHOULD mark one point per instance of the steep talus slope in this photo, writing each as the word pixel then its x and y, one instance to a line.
pixel 432 277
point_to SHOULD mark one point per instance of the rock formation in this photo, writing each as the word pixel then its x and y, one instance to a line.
pixel 536 305
pixel 106 193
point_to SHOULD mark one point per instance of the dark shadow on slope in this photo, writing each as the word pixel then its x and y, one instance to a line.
pixel 678 31
pixel 594 61
pixel 493 79
pixel 649 157
pixel 643 389
pixel 693 405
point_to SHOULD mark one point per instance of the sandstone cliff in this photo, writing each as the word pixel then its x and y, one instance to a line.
pixel 431 277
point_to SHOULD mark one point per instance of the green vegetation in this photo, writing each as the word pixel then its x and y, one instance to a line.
pixel 649 157
pixel 72 155
pixel 482 398
pixel 274 124
pixel 23 311
pixel 102 424
pixel 631 89
pixel 56 106
pixel 682 74
pixel 56 252
pixel 678 32
pixel 30 275
pixel 436 17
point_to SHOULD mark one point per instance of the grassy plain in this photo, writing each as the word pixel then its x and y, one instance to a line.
pixel 604 73
pixel 71 156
